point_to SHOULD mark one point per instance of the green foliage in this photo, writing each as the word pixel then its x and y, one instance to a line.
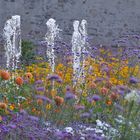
pixel 28 52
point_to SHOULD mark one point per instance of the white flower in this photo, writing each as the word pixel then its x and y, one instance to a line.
pixel 69 130
pixel 21 98
pixel 133 96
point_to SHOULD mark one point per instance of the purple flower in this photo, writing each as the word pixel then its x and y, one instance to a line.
pixel 79 107
pixel 99 80
pixel 23 112
pixel 69 96
pixel 118 107
pixel 133 80
pixel 41 89
pixel 53 77
pixel 96 97
pixel 5 129
pixel 44 98
pixel 33 118
pixel 63 135
pixel 12 126
pixel 85 115
pixel 122 87
pixel 59 80
pixel 121 92
pixel 68 88
pixel 38 82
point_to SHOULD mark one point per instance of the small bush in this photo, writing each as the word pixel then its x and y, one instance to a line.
pixel 28 52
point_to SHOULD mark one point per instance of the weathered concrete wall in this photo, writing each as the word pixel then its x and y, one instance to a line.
pixel 107 19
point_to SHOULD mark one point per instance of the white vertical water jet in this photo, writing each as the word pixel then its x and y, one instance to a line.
pixel 50 37
pixel 76 50
pixel 12 37
pixel 84 45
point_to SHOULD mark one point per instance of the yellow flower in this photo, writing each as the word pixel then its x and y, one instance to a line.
pixel 84 94
pixel 11 107
pixel 48 106
pixel 67 77
pixel 53 93
pixel 60 66
pixel 113 80
pixel 120 82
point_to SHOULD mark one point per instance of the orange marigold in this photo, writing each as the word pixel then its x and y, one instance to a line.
pixel 39 102
pixel 19 81
pixel 3 106
pixel 5 75
pixel 109 102
pixel 59 100
pixel 28 75
pixel 92 85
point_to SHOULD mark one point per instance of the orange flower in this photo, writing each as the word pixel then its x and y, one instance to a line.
pixel 28 75
pixel 39 102
pixel 109 102
pixel 3 106
pixel 33 110
pixel 93 85
pixel 19 81
pixel 104 90
pixel 5 75
pixel 59 100
pixel 60 73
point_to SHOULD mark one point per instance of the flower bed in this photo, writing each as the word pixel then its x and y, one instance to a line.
pixel 38 104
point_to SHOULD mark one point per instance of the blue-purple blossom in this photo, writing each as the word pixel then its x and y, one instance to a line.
pixel 68 88
pixel 79 107
pixel 133 80
pixel 40 89
pixel 13 126
pixel 96 97
pixel 33 118
pixel 44 98
pixel 38 82
pixel 53 77
pixel 69 95
pixel 85 115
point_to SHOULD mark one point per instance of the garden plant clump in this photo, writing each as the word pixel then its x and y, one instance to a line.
pixel 40 105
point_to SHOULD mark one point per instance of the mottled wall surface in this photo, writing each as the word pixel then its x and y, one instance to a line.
pixel 107 19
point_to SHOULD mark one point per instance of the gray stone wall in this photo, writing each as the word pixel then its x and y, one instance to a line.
pixel 107 19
